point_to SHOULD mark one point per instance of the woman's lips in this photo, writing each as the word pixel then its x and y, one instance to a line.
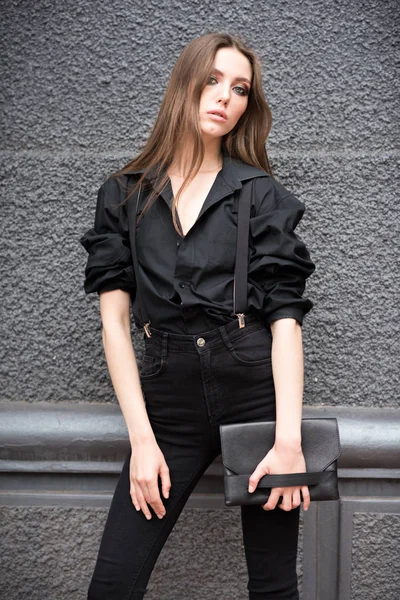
pixel 216 116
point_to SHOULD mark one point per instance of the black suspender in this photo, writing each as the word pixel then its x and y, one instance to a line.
pixel 142 307
pixel 242 255
pixel 241 261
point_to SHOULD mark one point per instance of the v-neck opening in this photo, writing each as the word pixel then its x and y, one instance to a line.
pixel 201 211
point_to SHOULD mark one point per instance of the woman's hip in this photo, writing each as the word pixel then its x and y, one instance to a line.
pixel 225 372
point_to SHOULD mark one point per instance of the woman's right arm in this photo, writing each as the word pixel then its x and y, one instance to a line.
pixel 147 460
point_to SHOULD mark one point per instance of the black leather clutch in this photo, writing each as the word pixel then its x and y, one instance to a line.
pixel 244 445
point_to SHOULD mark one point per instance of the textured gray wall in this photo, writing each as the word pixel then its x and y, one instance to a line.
pixel 48 552
pixel 375 557
pixel 82 82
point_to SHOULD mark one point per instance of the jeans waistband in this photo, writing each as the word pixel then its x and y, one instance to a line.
pixel 203 342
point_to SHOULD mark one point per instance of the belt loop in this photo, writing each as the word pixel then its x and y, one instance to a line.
pixel 225 338
pixel 164 346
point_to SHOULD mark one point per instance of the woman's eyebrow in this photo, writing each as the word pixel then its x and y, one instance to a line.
pixel 236 78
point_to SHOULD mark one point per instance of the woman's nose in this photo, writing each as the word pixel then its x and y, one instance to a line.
pixel 224 94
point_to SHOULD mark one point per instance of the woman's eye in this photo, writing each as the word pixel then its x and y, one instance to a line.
pixel 243 91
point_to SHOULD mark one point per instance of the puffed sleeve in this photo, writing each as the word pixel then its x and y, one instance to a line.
pixel 109 265
pixel 280 262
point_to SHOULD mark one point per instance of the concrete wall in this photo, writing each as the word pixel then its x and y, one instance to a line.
pixel 81 85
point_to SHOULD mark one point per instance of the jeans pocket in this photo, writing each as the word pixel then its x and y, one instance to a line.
pixel 152 363
pixel 252 348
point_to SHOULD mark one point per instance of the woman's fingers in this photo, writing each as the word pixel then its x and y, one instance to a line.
pixel 144 494
pixel 306 497
pixel 145 469
pixel 142 502
pixel 165 480
pixel 153 498
pixel 135 500
pixel 255 477
pixel 273 498
pixel 291 498
pixel 147 464
pixel 296 499
pixel 287 503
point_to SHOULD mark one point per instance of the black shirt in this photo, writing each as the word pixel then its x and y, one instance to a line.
pixel 187 282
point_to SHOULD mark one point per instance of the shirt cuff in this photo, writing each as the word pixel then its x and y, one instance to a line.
pixel 286 313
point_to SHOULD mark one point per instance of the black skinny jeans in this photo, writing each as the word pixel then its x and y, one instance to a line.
pixel 192 384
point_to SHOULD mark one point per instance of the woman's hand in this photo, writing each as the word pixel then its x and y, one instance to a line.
pixel 278 462
pixel 146 465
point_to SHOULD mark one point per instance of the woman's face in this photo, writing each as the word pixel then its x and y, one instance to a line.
pixel 226 91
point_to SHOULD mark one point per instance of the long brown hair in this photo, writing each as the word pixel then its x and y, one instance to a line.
pixel 178 118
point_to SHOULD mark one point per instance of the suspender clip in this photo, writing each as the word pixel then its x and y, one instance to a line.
pixel 241 320
pixel 146 328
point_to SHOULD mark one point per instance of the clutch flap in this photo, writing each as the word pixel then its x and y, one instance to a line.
pixel 244 445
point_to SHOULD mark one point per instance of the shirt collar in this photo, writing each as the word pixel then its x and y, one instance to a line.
pixel 233 172
pixel 229 179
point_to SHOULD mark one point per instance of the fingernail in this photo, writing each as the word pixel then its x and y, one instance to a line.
pixel 148 517
pixel 160 516
pixel 166 495
pixel 251 489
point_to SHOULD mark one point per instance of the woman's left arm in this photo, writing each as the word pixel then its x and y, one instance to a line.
pixel 286 456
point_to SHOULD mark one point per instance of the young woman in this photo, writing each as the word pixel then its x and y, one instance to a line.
pixel 171 251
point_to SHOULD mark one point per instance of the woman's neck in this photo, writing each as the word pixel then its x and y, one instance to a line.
pixel 212 161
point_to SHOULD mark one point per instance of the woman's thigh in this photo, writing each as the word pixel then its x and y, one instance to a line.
pixel 270 540
pixel 131 544
pixel 173 392
pixel 242 374
pixel 245 380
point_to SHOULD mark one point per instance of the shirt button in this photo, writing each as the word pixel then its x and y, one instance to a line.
pixel 201 342
pixel 182 285
pixel 178 244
